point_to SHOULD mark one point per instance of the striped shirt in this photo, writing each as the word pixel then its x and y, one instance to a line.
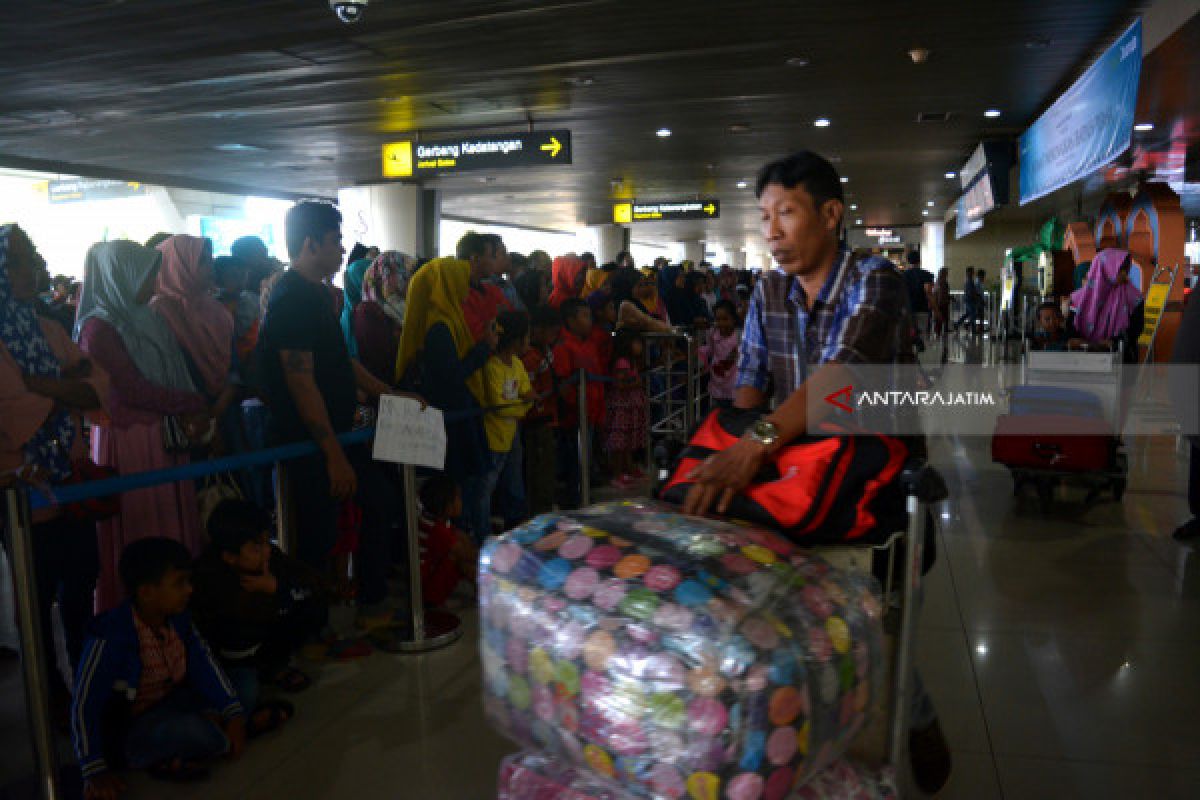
pixel 856 318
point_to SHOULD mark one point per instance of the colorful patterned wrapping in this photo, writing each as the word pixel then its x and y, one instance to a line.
pixel 536 776
pixel 677 656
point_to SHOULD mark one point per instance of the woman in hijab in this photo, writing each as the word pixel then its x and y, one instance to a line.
pixel 727 282
pixel 685 304
pixel 632 294
pixel 438 353
pixel 1108 308
pixel 150 381
pixel 568 274
pixel 46 384
pixel 378 319
pixel 352 284
pixel 203 328
pixel 533 287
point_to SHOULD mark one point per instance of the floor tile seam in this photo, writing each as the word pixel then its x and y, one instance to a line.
pixel 987 731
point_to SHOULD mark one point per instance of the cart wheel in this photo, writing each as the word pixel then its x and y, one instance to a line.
pixel 1045 490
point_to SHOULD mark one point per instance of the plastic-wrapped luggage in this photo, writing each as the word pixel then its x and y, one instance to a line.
pixel 675 655
pixel 536 776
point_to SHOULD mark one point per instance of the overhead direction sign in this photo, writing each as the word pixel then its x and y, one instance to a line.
pixel 76 190
pixel 488 151
pixel 641 211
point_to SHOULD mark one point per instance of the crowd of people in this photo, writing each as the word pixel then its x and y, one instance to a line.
pixel 166 354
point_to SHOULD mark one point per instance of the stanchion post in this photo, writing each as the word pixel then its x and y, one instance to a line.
pixel 427 630
pixel 33 661
pixel 689 411
pixel 284 530
pixel 585 482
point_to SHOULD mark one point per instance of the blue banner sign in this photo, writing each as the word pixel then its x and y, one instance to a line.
pixel 1089 126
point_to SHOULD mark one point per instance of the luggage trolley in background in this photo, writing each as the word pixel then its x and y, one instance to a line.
pixel 1063 424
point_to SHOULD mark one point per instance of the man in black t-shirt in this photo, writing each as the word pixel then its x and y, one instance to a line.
pixel 311 385
pixel 919 283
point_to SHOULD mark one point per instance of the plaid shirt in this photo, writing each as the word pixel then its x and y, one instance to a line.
pixel 856 318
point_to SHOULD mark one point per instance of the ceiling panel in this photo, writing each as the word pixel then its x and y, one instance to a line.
pixel 154 87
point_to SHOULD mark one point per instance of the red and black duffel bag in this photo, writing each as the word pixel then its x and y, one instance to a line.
pixel 839 487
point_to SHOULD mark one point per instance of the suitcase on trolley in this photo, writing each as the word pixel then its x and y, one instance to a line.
pixel 1060 443
pixel 1024 401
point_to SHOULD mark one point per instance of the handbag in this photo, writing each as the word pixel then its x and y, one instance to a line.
pixel 837 486
pixel 216 490
pixel 97 509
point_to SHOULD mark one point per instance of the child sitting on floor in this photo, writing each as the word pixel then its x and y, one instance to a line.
pixel 448 556
pixel 254 604
pixel 148 692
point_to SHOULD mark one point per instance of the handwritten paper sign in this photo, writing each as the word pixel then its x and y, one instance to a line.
pixel 404 434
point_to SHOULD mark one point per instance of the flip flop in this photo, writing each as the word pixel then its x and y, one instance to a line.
pixel 278 712
pixel 292 680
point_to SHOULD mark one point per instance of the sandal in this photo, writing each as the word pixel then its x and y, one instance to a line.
pixel 291 680
pixel 277 713
pixel 176 770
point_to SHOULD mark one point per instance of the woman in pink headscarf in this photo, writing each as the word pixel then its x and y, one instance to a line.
pixel 1108 308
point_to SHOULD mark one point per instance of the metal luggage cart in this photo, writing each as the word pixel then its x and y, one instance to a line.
pixel 676 388
pixel 885 743
pixel 1100 374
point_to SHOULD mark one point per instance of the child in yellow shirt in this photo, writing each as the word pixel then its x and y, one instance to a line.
pixel 509 395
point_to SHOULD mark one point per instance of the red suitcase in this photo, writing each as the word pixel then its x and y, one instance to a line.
pixel 1060 443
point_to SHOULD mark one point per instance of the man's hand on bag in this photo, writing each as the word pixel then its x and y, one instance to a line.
pixel 723 475
pixel 343 483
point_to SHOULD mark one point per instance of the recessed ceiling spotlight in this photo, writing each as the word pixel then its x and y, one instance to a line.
pixel 580 80
pixel 951 176
pixel 821 122
pixel 1144 126
pixel 925 212
pixel 739 127
pixel 845 179
pixel 854 206
pixel 798 61
pixel 919 55
pixel 992 113
pixel 742 184
pixel 929 203
pixel 238 148
pixel 858 222
pixel 663 133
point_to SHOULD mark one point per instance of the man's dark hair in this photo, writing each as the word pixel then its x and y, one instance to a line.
pixel 437 493
pixel 728 306
pixel 546 317
pixel 517 263
pixel 513 326
pixel 1049 306
pixel 310 220
pixel 146 562
pixel 914 258
pixel 570 309
pixel 235 522
pixel 226 266
pixel 970 270
pixel 807 169
pixel 477 244
pixel 157 239
pixel 357 253
pixel 249 248
pixel 980 272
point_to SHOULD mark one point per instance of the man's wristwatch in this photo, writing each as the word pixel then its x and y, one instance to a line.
pixel 765 433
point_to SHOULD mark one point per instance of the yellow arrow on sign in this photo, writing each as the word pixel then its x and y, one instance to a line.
pixel 710 209
pixel 553 148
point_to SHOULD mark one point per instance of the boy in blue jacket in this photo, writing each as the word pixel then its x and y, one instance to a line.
pixel 148 692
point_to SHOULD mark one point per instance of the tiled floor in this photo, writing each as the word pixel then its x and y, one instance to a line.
pixel 1062 651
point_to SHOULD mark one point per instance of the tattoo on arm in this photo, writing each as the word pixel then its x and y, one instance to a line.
pixel 297 361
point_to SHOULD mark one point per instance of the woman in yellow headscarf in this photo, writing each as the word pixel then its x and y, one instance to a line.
pixel 437 352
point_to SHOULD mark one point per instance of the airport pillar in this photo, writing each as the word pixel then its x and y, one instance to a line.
pixel 610 240
pixel 388 216
pixel 693 252
pixel 933 246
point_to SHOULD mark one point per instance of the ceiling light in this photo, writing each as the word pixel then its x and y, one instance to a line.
pixel 925 213
pixel 821 122
pixel 739 127
pixel 238 148
pixel 858 222
pixel 981 649
pixel 854 206
pixel 845 179
pixel 1144 126
pixel 930 204
pixel 919 55
pixel 951 176
pixel 663 133
pixel 742 184
pixel 992 113
pixel 797 61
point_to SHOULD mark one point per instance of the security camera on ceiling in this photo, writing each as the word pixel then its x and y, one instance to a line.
pixel 349 11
